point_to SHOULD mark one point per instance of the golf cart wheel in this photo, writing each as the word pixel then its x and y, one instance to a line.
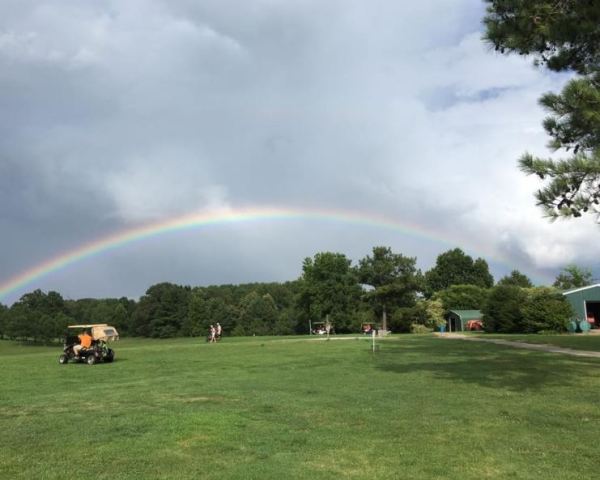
pixel 91 359
pixel 63 359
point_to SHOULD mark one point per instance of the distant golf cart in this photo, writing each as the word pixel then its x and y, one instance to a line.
pixel 321 328
pixel 99 350
pixel 368 328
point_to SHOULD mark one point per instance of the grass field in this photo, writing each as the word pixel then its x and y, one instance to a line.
pixel 418 408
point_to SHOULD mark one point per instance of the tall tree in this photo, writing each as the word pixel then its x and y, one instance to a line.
pixel 329 287
pixel 481 275
pixel 3 319
pixel 561 35
pixel 38 316
pixel 197 321
pixel 161 311
pixel 258 315
pixel 454 267
pixel 517 279
pixel 573 276
pixel 463 297
pixel 119 318
pixel 18 323
pixel 394 278
pixel 49 303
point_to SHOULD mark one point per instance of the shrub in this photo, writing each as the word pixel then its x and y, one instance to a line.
pixel 420 329
pixel 402 319
pixel 502 311
pixel 545 309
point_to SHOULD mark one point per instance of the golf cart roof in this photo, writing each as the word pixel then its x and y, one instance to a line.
pixel 100 331
pixel 90 325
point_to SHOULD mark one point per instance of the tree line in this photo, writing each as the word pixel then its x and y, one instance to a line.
pixel 384 289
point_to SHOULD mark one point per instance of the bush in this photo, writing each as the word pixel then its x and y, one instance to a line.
pixel 502 311
pixel 512 309
pixel 420 329
pixel 402 319
pixel 545 309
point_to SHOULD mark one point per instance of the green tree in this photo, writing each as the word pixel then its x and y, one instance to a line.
pixel 394 278
pixel 204 312
pixel 37 301
pixel 573 276
pixel 435 313
pixel 32 317
pixel 197 321
pixel 17 325
pixel 46 328
pixel 225 314
pixel 161 311
pixel 517 279
pixel 258 315
pixel 424 315
pixel 561 35
pixel 119 317
pixel 454 267
pixel 545 309
pixel 480 275
pixel 102 311
pixel 402 319
pixel 285 322
pixel 60 323
pixel 463 297
pixel 502 311
pixel 329 287
pixel 3 320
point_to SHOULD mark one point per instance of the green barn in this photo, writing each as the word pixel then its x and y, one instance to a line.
pixel 462 320
pixel 585 302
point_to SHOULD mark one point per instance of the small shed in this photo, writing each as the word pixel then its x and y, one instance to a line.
pixel 585 302
pixel 462 320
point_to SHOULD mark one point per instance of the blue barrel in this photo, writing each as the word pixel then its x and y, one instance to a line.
pixel 584 325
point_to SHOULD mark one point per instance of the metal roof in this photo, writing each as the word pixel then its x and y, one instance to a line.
pixel 567 292
pixel 89 325
pixel 468 314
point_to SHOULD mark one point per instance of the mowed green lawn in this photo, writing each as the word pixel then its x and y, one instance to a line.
pixel 418 408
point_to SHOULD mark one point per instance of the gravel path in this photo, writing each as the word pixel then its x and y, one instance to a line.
pixel 527 346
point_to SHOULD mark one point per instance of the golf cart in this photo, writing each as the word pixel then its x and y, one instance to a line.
pixel 98 351
pixel 368 328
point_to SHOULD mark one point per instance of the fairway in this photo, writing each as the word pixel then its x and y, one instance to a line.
pixel 266 408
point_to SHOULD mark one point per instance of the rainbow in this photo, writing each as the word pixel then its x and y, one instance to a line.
pixel 204 219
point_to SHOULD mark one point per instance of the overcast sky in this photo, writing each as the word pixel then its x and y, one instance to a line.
pixel 117 114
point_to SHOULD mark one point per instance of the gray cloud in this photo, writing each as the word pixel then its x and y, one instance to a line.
pixel 117 114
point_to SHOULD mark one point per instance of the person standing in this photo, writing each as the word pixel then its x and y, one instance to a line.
pixel 213 334
pixel 219 331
